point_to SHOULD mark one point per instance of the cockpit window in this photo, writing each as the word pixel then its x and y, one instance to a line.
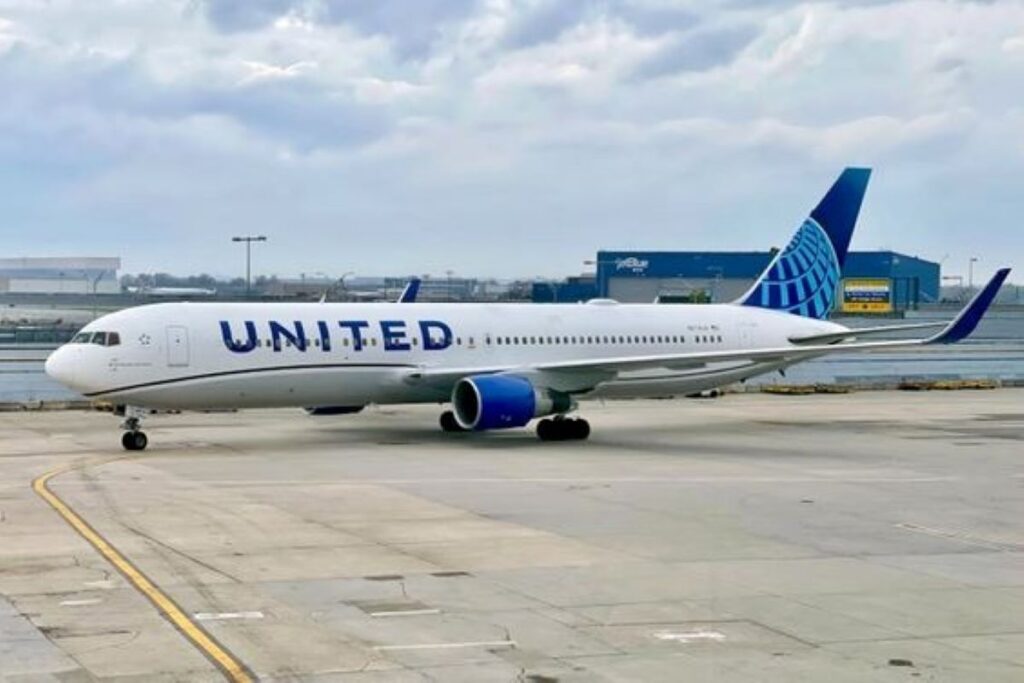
pixel 97 338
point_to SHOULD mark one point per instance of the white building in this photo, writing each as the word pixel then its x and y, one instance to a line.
pixel 83 275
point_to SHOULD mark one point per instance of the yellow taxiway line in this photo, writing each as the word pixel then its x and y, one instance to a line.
pixel 229 665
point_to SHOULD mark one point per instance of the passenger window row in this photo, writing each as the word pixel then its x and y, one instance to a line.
pixel 601 339
pixel 509 340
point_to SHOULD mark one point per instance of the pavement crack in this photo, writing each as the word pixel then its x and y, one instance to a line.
pixel 181 553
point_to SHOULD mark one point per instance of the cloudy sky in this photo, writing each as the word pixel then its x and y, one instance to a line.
pixel 505 137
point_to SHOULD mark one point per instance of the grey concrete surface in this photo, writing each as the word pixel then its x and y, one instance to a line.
pixel 749 538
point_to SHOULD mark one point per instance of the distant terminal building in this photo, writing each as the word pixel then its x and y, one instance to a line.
pixel 572 289
pixel 77 275
pixel 873 281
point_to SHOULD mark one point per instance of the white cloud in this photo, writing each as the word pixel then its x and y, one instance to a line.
pixel 259 71
pixel 1014 44
pixel 574 123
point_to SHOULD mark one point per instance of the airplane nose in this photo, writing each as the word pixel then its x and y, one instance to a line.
pixel 61 367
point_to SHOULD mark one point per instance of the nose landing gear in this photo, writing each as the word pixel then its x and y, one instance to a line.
pixel 133 439
pixel 563 429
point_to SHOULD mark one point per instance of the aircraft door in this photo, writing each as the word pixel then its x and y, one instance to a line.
pixel 177 346
pixel 747 332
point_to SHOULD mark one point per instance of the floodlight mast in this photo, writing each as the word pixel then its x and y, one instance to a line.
pixel 249 239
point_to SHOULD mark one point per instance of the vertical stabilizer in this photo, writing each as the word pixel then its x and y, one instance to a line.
pixel 803 278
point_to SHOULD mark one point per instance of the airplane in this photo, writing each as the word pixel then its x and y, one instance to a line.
pixel 498 366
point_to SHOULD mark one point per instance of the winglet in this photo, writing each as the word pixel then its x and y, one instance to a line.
pixel 410 292
pixel 963 325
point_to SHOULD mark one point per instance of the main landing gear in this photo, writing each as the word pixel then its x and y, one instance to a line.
pixel 563 429
pixel 133 439
pixel 559 428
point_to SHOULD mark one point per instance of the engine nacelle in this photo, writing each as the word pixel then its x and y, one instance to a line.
pixel 332 410
pixel 503 402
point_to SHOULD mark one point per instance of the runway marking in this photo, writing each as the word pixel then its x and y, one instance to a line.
pixel 226 616
pixel 404 613
pixel 80 603
pixel 445 646
pixel 690 636
pixel 588 480
pixel 962 537
pixel 228 664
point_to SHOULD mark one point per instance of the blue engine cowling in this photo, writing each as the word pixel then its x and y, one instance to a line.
pixel 502 402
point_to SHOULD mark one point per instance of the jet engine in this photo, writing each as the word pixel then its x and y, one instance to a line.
pixel 487 402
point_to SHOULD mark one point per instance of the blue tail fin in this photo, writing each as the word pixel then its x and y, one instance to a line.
pixel 804 277
pixel 411 291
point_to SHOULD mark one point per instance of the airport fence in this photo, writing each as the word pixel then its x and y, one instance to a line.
pixel 37 334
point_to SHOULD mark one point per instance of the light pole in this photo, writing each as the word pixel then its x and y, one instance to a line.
pixel 249 239
pixel 719 274
pixel 449 285
pixel 970 274
pixel 95 286
pixel 342 289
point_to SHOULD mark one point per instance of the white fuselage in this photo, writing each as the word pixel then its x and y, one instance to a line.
pixel 180 355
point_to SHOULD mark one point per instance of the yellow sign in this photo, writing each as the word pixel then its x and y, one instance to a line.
pixel 867 295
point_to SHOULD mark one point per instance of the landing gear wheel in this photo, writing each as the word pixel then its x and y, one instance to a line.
pixel 449 424
pixel 134 441
pixel 546 430
pixel 581 430
pixel 563 429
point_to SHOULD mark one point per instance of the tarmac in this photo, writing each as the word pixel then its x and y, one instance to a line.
pixel 874 536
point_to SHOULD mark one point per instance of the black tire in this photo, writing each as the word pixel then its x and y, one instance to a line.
pixel 581 430
pixel 449 424
pixel 547 430
pixel 134 441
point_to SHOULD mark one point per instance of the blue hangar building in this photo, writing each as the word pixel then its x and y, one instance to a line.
pixel 703 276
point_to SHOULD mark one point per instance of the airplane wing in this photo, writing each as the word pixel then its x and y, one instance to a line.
pixel 856 333
pixel 956 330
